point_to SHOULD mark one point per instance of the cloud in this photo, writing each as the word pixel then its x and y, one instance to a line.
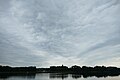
pixel 52 32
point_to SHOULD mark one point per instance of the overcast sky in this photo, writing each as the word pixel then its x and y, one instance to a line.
pixel 56 32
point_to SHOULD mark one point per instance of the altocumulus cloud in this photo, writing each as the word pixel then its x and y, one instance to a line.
pixel 55 32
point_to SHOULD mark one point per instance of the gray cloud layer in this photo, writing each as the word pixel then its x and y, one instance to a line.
pixel 55 32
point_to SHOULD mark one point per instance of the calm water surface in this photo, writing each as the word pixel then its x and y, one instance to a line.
pixel 48 76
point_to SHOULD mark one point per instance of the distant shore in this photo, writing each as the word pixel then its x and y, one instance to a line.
pixel 84 70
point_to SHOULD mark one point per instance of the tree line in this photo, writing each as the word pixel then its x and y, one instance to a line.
pixel 101 70
pixel 98 71
pixel 8 69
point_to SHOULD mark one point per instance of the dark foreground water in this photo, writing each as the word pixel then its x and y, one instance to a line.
pixel 53 76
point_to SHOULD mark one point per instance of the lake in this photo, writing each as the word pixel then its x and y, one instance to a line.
pixel 56 76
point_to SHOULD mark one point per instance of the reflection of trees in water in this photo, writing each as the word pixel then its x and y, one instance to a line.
pixel 58 75
pixel 76 76
pixel 21 75
pixel 62 76
pixel 99 75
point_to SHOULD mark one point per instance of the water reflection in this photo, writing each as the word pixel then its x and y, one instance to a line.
pixel 58 75
pixel 21 75
pixel 55 76
pixel 76 76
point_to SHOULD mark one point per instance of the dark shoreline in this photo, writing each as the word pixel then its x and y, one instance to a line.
pixel 97 71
